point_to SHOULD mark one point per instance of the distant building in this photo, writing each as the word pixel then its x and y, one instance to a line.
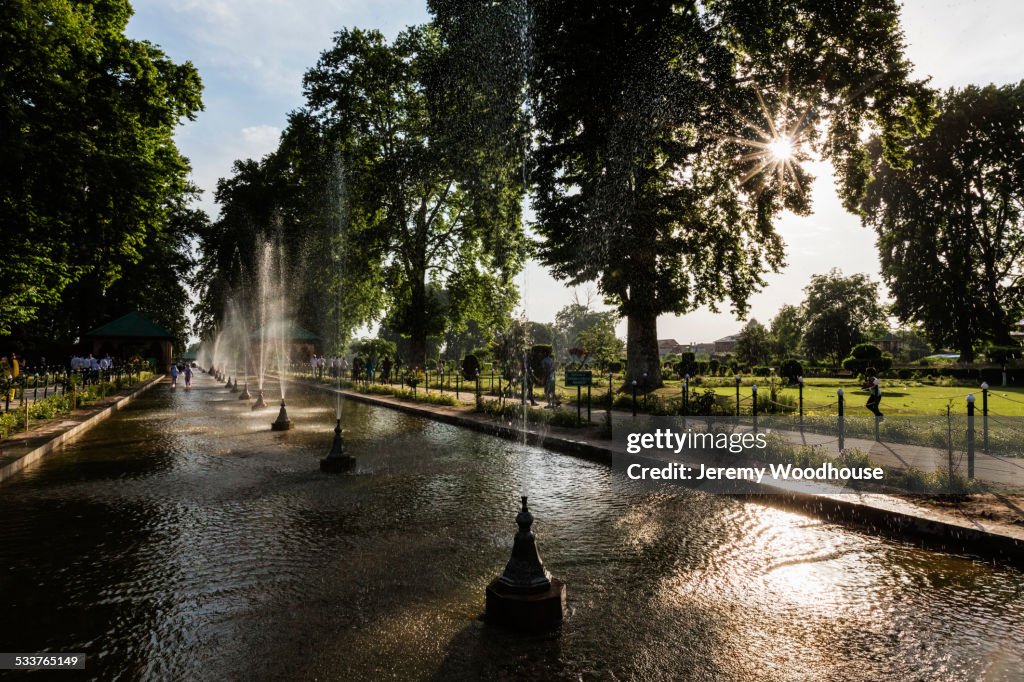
pixel 726 344
pixel 890 343
pixel 668 346
pixel 130 335
pixel 704 349
pixel 299 343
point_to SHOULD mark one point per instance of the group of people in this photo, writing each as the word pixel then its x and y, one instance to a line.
pixel 360 368
pixel 177 370
pixel 91 363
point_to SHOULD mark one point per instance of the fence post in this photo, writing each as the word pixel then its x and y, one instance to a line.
pixel 634 397
pixel 478 400
pixel 609 397
pixel 800 390
pixel 579 404
pixel 588 403
pixel 645 390
pixel 753 403
pixel 841 422
pixel 984 417
pixel 970 435
pixel 686 395
pixel 738 395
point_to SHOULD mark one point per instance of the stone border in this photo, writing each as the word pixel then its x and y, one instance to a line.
pixel 931 533
pixel 71 433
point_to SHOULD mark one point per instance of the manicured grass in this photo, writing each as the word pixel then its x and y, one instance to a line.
pixel 898 397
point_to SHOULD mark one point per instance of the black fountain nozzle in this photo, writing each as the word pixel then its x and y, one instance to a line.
pixel 245 391
pixel 259 404
pixel 337 459
pixel 228 384
pixel 234 386
pixel 282 423
pixel 525 596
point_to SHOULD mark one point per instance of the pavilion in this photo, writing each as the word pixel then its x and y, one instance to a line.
pixel 130 335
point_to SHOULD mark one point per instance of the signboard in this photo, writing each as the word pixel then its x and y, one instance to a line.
pixel 578 377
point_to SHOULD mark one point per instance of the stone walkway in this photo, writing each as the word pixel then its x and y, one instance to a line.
pixel 24 448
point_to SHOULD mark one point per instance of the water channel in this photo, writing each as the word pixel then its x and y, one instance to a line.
pixel 182 539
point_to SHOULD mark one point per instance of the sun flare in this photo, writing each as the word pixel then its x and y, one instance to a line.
pixel 781 148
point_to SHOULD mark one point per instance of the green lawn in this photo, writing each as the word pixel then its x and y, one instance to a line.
pixel 898 397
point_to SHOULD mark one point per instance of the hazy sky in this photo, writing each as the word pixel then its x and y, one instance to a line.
pixel 251 55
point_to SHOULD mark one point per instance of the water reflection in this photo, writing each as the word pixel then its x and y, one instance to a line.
pixel 184 540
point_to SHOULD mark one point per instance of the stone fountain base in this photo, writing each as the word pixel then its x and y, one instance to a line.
pixel 282 423
pixel 337 460
pixel 525 597
pixel 526 612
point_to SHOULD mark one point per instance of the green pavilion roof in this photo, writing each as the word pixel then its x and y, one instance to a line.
pixel 134 325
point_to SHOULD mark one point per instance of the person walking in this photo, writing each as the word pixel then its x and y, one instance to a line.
pixel 188 376
pixel 874 398
pixel 385 371
pixel 548 364
pixel 174 375
pixel 15 373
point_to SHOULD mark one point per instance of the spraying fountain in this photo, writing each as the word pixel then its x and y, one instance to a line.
pixel 525 597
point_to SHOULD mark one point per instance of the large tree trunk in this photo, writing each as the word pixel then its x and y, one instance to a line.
pixel 418 324
pixel 966 346
pixel 642 351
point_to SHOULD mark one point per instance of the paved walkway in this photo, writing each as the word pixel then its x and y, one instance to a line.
pixel 36 442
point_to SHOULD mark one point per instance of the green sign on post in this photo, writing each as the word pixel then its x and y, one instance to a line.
pixel 578 377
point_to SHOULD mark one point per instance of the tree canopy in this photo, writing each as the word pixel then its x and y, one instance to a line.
pixel 657 161
pixel 949 224
pixel 413 179
pixel 94 196
pixel 840 312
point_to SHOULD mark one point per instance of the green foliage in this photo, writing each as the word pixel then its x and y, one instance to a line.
pixel 687 365
pixel 470 368
pixel 438 210
pixel 93 191
pixel 647 113
pixel 839 312
pixel 790 369
pixel 786 331
pixel 865 356
pixel 949 221
pixel 376 349
pixel 537 354
pixel 754 344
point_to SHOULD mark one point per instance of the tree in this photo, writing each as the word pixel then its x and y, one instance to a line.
pixel 754 344
pixel 667 133
pixel 90 178
pixel 950 225
pixel 413 180
pixel 839 312
pixel 578 318
pixel 599 341
pixel 786 330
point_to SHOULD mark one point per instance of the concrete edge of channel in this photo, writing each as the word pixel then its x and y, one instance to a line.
pixel 71 433
pixel 929 532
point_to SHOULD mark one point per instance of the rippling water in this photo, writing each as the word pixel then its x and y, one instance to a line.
pixel 182 539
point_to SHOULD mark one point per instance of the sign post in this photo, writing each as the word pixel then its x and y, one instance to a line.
pixel 579 378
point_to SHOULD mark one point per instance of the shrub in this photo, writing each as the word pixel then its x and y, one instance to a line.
pixel 470 367
pixel 790 369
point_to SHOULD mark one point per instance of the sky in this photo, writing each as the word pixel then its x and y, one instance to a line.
pixel 251 55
